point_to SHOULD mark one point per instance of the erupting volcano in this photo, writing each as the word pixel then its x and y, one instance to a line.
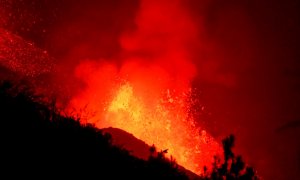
pixel 149 94
pixel 177 74
pixel 157 118
pixel 146 90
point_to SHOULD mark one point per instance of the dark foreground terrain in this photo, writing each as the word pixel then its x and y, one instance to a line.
pixel 37 142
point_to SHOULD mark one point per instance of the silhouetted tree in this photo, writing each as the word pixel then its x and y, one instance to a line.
pixel 233 167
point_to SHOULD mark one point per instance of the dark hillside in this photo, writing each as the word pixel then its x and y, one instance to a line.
pixel 38 143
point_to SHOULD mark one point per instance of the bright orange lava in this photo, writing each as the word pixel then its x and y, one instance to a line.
pixel 165 123
pixel 143 106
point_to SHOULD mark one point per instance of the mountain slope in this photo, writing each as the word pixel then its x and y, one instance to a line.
pixel 37 142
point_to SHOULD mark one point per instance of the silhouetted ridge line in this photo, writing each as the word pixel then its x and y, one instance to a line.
pixel 38 142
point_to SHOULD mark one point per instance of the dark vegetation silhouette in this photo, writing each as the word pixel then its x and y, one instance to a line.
pixel 37 142
pixel 233 166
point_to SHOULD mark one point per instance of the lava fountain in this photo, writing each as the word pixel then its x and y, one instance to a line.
pixel 149 92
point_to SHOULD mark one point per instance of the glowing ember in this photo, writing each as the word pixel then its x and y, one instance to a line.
pixel 164 123
pixel 23 57
pixel 153 114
